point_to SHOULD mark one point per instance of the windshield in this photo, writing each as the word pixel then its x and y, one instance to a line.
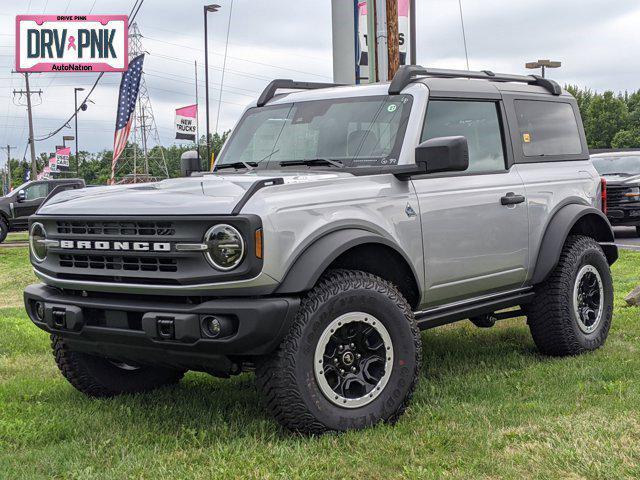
pixel 626 165
pixel 361 131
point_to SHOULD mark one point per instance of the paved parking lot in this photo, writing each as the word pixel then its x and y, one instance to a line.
pixel 626 237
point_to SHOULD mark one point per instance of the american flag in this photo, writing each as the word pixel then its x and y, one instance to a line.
pixel 129 87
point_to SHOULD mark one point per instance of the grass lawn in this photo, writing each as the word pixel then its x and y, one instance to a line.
pixel 14 237
pixel 488 406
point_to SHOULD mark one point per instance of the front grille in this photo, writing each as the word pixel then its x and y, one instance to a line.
pixel 615 196
pixel 125 263
pixel 118 228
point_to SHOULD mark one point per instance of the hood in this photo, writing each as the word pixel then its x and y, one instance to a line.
pixel 203 195
pixel 632 180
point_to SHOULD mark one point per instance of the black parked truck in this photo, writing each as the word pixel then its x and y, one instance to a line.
pixel 621 171
pixel 17 206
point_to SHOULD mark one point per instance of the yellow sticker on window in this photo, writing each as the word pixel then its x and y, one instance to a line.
pixel 526 137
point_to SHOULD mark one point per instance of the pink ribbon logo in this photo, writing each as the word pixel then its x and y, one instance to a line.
pixel 72 43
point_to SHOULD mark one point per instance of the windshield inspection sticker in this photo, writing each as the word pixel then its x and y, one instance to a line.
pixel 526 137
pixel 392 108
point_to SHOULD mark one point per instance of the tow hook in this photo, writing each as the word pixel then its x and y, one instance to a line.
pixel 166 328
pixel 58 317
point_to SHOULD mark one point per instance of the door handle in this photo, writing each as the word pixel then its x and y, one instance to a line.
pixel 512 199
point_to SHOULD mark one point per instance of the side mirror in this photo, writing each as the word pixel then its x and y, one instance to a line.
pixel 22 196
pixel 443 154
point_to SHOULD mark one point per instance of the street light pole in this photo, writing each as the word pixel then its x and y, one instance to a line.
pixel 75 95
pixel 207 8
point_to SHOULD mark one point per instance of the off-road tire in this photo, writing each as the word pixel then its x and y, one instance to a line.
pixel 4 229
pixel 99 377
pixel 551 317
pixel 287 377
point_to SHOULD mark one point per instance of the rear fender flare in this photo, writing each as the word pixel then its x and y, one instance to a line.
pixel 558 230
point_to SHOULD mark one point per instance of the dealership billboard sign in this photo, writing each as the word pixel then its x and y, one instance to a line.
pixel 72 43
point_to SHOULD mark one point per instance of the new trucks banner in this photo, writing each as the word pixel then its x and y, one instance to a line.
pixel 72 43
pixel 186 123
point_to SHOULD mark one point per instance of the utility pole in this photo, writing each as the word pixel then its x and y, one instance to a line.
pixel 28 93
pixel 9 147
pixel 393 38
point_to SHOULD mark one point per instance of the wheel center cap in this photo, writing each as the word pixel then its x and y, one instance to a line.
pixel 347 358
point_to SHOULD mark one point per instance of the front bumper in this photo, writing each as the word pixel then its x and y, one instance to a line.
pixel 165 330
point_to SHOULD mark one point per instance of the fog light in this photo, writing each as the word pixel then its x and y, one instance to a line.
pixel 40 311
pixel 217 326
pixel 212 326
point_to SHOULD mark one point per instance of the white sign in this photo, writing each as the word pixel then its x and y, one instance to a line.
pixel 72 43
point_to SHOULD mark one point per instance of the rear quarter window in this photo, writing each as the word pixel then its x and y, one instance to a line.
pixel 547 128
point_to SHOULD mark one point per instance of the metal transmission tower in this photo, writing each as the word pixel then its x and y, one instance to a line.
pixel 140 162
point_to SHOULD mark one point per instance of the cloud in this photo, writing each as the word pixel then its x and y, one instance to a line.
pixel 596 41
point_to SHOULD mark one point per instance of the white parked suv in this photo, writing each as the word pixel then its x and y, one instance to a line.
pixel 338 223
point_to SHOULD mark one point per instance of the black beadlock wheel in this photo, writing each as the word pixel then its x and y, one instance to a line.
pixel 4 229
pixel 101 377
pixel 350 360
pixel 572 310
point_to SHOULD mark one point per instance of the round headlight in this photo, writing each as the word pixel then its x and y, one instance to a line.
pixel 37 236
pixel 225 247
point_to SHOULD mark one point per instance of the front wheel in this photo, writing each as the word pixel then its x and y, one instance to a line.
pixel 101 377
pixel 350 360
pixel 4 229
pixel 572 310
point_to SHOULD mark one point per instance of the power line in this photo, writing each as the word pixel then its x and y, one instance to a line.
pixel 239 58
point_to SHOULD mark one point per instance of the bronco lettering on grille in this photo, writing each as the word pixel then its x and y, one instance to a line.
pixel 121 246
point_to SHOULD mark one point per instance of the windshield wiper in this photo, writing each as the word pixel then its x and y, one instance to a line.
pixel 248 165
pixel 313 161
pixel 620 174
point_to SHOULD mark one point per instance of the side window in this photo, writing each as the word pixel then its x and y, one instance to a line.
pixel 38 190
pixel 478 121
pixel 547 128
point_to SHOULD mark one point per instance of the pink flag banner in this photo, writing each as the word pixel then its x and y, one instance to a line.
pixel 62 159
pixel 186 123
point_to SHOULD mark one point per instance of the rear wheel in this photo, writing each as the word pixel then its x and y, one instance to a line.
pixel 350 360
pixel 101 377
pixel 4 229
pixel 572 309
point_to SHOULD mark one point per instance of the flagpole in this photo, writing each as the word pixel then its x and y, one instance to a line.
pixel 197 111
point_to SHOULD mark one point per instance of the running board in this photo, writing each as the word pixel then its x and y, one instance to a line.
pixel 443 315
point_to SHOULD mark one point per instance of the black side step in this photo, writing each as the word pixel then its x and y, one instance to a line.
pixel 438 316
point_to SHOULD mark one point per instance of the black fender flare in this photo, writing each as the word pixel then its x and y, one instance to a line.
pixel 314 260
pixel 6 216
pixel 558 230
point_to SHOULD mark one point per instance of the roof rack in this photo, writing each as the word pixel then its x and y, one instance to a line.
pixel 406 74
pixel 269 92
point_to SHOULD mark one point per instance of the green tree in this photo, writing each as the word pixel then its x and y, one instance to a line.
pixel 606 116
pixel 626 139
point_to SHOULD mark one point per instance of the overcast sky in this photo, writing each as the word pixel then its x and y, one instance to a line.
pixel 597 41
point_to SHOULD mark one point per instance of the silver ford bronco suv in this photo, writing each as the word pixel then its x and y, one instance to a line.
pixel 338 223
